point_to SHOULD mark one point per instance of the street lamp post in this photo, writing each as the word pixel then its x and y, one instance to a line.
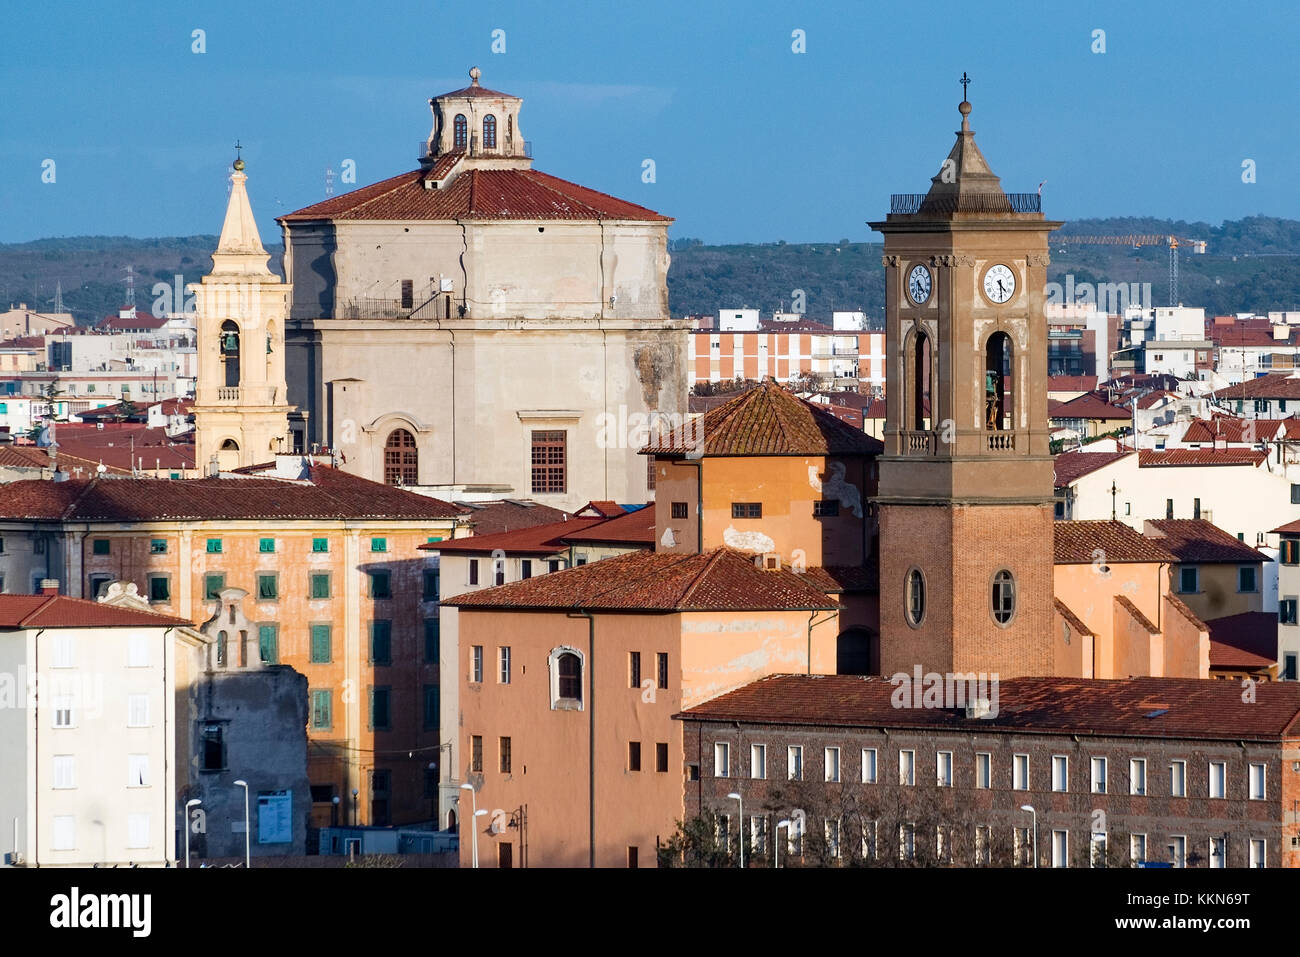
pixel 355 792
pixel 248 851
pixel 776 844
pixel 1034 817
pixel 334 811
pixel 473 820
pixel 740 831
pixel 192 802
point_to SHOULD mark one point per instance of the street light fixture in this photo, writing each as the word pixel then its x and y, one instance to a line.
pixel 248 852
pixel 1034 816
pixel 740 831
pixel 776 844
pixel 473 821
pixel 355 792
pixel 192 802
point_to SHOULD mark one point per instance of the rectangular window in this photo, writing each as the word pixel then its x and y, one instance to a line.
pixel 320 584
pixel 525 569
pixel 870 845
pixel 833 837
pixel 661 757
pixel 984 770
pixel 907 768
pixel 1218 779
pixel 159 588
pixel 634 755
pixel 137 651
pixel 64 656
pixel 548 461
pixel 99 546
pixel 943 769
pixel 65 832
pixel 1137 776
pixel 794 763
pixel 827 508
pixel 476 753
pixel 1060 772
pixel 503 662
pixel 1290 665
pixel 503 754
pixel 650 474
pixel 661 666
pixel 1137 849
pixel 322 708
pixel 431 640
pixel 1020 772
pixel 1217 855
pixel 1060 848
pixel 1178 779
pixel 476 663
pixel 430 589
pixel 379 544
pixel 1286 611
pixel 212 586
pixel 1022 847
pixel 98 585
pixel 268 587
pixel 65 771
pixel 679 510
pixel 137 711
pixel 758 834
pixel 1098 775
pixel 1187 579
pixel 1097 849
pixel 137 770
pixel 1258 852
pixel 1257 776
pixel 746 509
pixel 868 765
pixel 832 764
pixel 214 748
pixel 319 545
pixel 1295 494
pixel 906 842
pixel 431 706
pixel 265 545
pixel 1246 579
pixel 1290 547
pixel 158 546
pixel 408 294
pixel 634 669
pixel 758 761
pixel 983 844
pixel 721 759
pixel 380 708
pixel 553 565
pixel 268 644
pixel 214 546
pixel 380 585
pixel 473 571
pixel 381 642
pixel 321 641
pixel 1178 850
pixel 1169 508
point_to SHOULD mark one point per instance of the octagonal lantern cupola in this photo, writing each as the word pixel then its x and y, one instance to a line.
pixel 476 123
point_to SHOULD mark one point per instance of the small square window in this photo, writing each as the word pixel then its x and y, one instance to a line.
pixel 212 586
pixel 379 544
pixel 320 545
pixel 158 546
pixel 679 510
pixel 1247 579
pixel 214 546
pixel 267 587
pixel 99 546
pixel 826 508
pixel 266 545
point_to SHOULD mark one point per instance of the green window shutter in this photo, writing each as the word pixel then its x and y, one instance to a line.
pixel 100 546
pixel 159 589
pixel 214 546
pixel 431 626
pixel 434 538
pixel 320 644
pixel 430 584
pixel 268 643
pixel 266 544
pixel 320 585
pixel 267 589
pixel 379 709
pixel 320 544
pixel 212 584
pixel 321 708
pixel 158 546
pixel 379 544
pixel 379 585
pixel 430 707
pixel 381 642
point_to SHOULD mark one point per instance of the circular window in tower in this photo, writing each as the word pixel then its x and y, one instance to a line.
pixel 1004 597
pixel 914 597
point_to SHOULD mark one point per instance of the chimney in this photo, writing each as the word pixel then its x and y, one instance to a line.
pixel 214 469
pixel 49 586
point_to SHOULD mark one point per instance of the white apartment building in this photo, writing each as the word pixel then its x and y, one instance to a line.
pixel 1288 595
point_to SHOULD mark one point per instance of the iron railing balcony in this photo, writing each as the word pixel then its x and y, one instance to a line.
pixel 909 203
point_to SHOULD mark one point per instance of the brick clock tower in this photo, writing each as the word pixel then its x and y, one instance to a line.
pixel 966 478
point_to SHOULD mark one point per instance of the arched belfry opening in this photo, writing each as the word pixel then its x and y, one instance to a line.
pixel 917 385
pixel 998 396
pixel 230 352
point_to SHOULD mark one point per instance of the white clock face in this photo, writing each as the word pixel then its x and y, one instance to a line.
pixel 999 283
pixel 918 284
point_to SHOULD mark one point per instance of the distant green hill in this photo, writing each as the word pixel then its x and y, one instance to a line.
pixel 1251 264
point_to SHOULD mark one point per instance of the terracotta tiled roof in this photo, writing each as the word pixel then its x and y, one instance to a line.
pixel 477 91
pixel 141 320
pixel 600 509
pixel 1134 707
pixel 1071 383
pixel 1156 398
pixel 836 579
pixel 1150 458
pixel 1072 466
pixel 1264 387
pixel 118 445
pixel 718 580
pixel 537 540
pixel 766 420
pixel 24 342
pixel 23 457
pixel 60 611
pixel 504 515
pixel 330 494
pixel 1076 623
pixel 1090 406
pixel 631 528
pixel 1224 429
pixel 1246 641
pixel 1196 540
pixel 697 404
pixel 476 194
pixel 1077 543
pixel 1290 528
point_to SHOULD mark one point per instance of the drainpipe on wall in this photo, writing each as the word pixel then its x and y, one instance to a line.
pixel 591 732
pixel 833 614
pixel 698 465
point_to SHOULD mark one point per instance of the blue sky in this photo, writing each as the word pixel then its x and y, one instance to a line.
pixel 751 141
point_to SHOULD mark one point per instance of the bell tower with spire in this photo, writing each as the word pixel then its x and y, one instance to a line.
pixel 966 481
pixel 241 412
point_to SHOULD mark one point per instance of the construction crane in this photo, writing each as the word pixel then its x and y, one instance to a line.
pixel 1173 242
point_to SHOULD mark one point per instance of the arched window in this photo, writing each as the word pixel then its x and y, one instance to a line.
pixel 1004 597
pixel 914 597
pixel 230 352
pixel 570 674
pixel 401 459
pixel 461 131
pixel 510 131
pixel 997 372
pixel 489 132
pixel 230 445
pixel 919 384
pixel 221 649
pixel 853 652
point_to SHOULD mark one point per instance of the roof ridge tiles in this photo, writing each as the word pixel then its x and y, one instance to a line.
pixel 702 574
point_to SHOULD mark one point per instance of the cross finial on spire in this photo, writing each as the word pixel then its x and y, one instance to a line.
pixel 965 82
pixel 239 160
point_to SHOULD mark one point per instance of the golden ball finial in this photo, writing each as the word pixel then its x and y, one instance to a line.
pixel 474 74
pixel 239 166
